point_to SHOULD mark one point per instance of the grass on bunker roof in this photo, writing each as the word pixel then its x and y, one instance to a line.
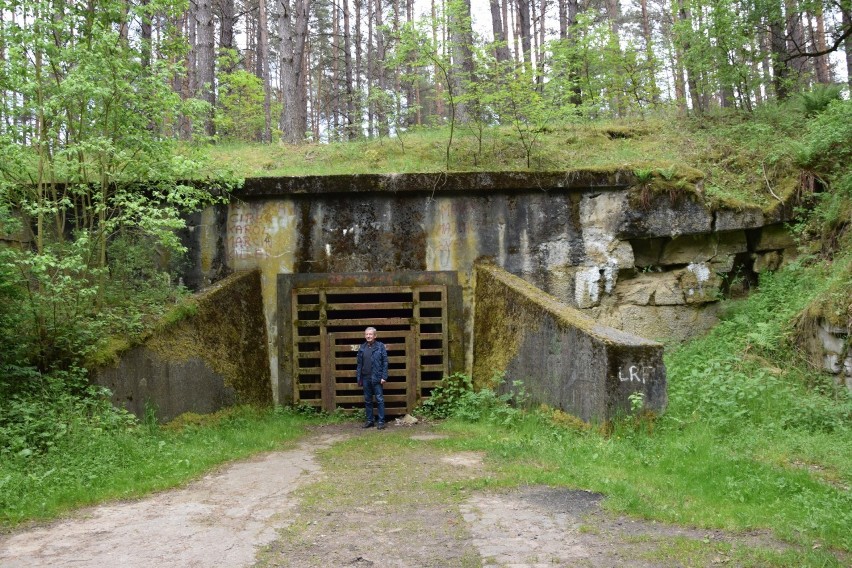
pixel 740 159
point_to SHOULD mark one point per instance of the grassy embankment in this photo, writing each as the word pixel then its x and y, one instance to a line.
pixel 742 160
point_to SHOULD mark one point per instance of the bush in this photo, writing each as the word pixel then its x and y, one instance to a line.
pixel 455 398
pixel 53 411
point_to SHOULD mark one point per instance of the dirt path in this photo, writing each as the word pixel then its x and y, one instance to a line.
pixel 345 498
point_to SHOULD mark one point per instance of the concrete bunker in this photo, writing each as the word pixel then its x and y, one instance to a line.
pixel 398 251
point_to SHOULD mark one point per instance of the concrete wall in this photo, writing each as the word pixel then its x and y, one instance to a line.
pixel 564 358
pixel 210 359
pixel 653 264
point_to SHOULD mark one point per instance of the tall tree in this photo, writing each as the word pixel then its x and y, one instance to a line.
pixel 461 34
pixel 501 50
pixel 351 126
pixel 292 32
pixel 205 60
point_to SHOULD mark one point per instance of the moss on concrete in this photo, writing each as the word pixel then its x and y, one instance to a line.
pixel 226 329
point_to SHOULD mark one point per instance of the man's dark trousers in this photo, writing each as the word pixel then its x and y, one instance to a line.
pixel 371 389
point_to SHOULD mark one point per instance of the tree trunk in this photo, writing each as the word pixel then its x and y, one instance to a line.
pixel 440 111
pixel 145 36
pixel 524 31
pixel 691 74
pixel 780 70
pixel 462 39
pixel 358 68
pixel 205 60
pixel 846 9
pixel 351 132
pixel 262 69
pixel 823 71
pixel 649 52
pixel 334 87
pixel 613 11
pixel 227 23
pixel 501 50
pixel 293 30
pixel 380 75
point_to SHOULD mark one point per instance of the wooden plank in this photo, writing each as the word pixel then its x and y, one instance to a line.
pixel 444 331
pixel 374 322
pixel 392 348
pixel 431 304
pixel 431 352
pixel 431 336
pixel 411 376
pixel 432 367
pixel 294 345
pixel 431 320
pixel 354 291
pixel 308 354
pixel 309 371
pixel 370 306
pixel 326 340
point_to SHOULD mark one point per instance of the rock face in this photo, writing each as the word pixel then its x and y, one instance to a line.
pixel 828 346
pixel 655 266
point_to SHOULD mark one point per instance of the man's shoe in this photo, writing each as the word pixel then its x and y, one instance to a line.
pixel 367 425
pixel 381 426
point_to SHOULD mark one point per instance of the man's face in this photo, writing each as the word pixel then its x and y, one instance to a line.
pixel 369 335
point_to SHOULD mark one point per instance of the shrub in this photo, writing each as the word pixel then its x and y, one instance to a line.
pixel 455 398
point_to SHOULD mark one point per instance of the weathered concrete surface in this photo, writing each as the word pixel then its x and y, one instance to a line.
pixel 583 237
pixel 564 358
pixel 828 346
pixel 214 357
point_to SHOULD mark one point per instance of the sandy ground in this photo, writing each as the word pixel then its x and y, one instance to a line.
pixel 291 508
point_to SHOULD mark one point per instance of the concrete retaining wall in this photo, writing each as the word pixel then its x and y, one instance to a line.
pixel 564 358
pixel 213 358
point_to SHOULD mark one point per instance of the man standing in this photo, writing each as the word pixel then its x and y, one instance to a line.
pixel 372 373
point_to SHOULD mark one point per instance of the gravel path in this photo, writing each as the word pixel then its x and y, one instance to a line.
pixel 346 497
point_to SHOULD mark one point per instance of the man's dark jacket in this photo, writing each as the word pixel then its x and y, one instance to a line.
pixel 380 362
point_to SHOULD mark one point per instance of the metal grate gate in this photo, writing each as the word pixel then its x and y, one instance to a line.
pixel 328 327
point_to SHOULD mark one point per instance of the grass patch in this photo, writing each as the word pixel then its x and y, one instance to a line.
pixel 690 552
pixel 91 466
pixel 737 158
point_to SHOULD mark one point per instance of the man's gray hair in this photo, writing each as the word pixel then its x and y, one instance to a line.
pixel 373 329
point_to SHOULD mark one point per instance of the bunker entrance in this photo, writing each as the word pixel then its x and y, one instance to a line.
pixel 328 327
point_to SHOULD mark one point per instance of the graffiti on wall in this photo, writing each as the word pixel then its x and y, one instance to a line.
pixel 637 374
pixel 252 230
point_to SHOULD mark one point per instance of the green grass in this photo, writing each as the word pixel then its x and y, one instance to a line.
pixel 739 156
pixel 92 466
